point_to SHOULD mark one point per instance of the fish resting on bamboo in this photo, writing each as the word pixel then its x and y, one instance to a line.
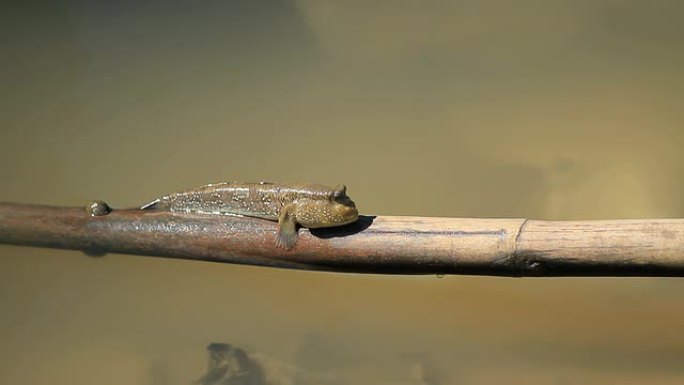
pixel 291 205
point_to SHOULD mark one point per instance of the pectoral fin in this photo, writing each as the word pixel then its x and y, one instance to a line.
pixel 287 228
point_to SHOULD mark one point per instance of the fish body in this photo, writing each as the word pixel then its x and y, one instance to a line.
pixel 303 204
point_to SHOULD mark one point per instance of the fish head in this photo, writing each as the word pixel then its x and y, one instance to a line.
pixel 336 210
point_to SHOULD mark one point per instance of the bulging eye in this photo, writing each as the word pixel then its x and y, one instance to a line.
pixel 340 191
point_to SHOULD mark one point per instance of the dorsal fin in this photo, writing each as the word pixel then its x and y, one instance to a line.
pixel 150 205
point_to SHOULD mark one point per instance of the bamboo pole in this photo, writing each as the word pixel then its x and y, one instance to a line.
pixel 382 244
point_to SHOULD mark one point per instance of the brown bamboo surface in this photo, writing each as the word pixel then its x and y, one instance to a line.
pixel 382 244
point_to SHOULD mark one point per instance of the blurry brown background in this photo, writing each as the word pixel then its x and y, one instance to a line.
pixel 546 109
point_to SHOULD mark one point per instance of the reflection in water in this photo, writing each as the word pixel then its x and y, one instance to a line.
pixel 229 365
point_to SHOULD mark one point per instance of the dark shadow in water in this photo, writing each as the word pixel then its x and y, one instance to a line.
pixel 361 224
pixel 231 365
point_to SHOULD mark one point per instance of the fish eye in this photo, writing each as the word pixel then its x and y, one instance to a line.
pixel 340 191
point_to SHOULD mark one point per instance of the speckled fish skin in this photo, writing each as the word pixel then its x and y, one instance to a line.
pixel 307 205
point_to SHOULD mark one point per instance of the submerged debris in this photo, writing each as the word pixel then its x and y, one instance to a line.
pixel 229 365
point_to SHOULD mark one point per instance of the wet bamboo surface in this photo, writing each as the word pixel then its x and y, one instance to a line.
pixel 374 244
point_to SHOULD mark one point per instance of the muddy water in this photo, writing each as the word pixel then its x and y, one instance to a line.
pixel 559 110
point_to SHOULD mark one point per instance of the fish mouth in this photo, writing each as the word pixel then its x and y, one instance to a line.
pixel 349 214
